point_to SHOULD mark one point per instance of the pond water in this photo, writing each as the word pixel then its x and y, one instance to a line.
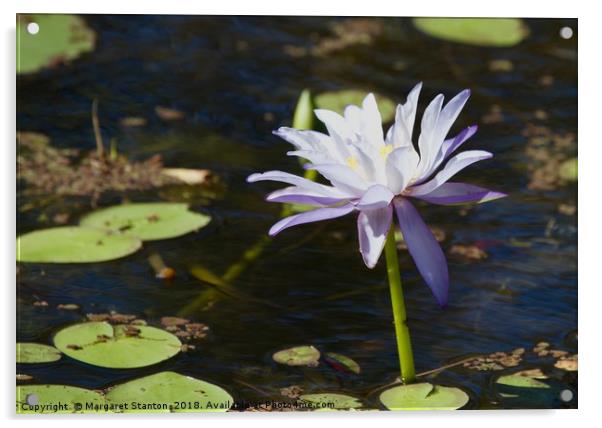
pixel 236 79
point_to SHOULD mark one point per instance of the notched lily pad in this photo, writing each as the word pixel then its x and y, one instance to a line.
pixel 72 244
pixel 423 396
pixel 338 100
pixel 56 399
pixel 147 221
pixel 298 356
pixel 494 32
pixel 170 392
pixel 342 362
pixel 330 401
pixel 37 353
pixel 529 389
pixel 61 39
pixel 117 346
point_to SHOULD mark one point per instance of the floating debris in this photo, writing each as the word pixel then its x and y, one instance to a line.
pixel 500 65
pixel 293 391
pixel 496 361
pixel 23 377
pixel 567 209
pixel 494 115
pixel 40 303
pixel 161 270
pixel 173 321
pixel 169 114
pixel 68 307
pixel 468 252
pixel 568 363
pixel 133 122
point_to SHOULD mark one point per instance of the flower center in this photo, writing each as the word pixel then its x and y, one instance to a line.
pixel 352 162
pixel 385 150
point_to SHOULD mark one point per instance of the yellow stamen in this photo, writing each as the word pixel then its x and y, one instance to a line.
pixel 385 150
pixel 352 162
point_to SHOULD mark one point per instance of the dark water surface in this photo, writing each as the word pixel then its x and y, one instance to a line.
pixel 236 83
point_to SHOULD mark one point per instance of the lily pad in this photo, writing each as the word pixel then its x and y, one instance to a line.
pixel 72 244
pixel 61 39
pixel 37 353
pixel 494 32
pixel 56 399
pixel 341 362
pixel 118 347
pixel 568 170
pixel 330 401
pixel 298 356
pixel 148 221
pixel 170 392
pixel 423 396
pixel 525 389
pixel 338 100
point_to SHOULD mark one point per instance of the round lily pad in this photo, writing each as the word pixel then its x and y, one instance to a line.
pixel 298 356
pixel 37 353
pixel 338 100
pixel 72 244
pixel 330 401
pixel 170 392
pixel 494 32
pixel 57 399
pixel 423 396
pixel 61 38
pixel 117 346
pixel 148 221
pixel 526 390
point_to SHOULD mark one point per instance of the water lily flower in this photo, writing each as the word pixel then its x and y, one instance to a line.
pixel 375 174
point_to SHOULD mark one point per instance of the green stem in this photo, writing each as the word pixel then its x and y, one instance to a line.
pixel 402 333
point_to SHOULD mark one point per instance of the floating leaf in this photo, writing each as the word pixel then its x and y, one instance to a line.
pixel 37 353
pixel 568 170
pixel 338 100
pixel 61 38
pixel 341 362
pixel 298 356
pixel 423 396
pixel 529 389
pixel 118 347
pixel 57 399
pixel 303 117
pixel 72 244
pixel 496 32
pixel 330 401
pixel 148 221
pixel 170 392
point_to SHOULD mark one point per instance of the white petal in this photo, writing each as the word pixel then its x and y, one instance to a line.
pixel 377 196
pixel 285 177
pixel 342 177
pixel 401 167
pixel 372 229
pixel 372 127
pixel 405 115
pixel 453 166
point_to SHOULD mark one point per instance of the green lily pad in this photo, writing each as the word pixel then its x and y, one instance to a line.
pixel 423 396
pixel 37 353
pixel 338 100
pixel 56 399
pixel 568 170
pixel 72 244
pixel 494 32
pixel 61 39
pixel 170 392
pixel 298 356
pixel 330 401
pixel 118 347
pixel 523 390
pixel 148 221
pixel 342 362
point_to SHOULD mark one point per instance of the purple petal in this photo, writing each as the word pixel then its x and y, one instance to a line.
pixel 297 195
pixel 451 145
pixel 372 229
pixel 424 248
pixel 377 196
pixel 460 193
pixel 309 217
pixel 455 165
